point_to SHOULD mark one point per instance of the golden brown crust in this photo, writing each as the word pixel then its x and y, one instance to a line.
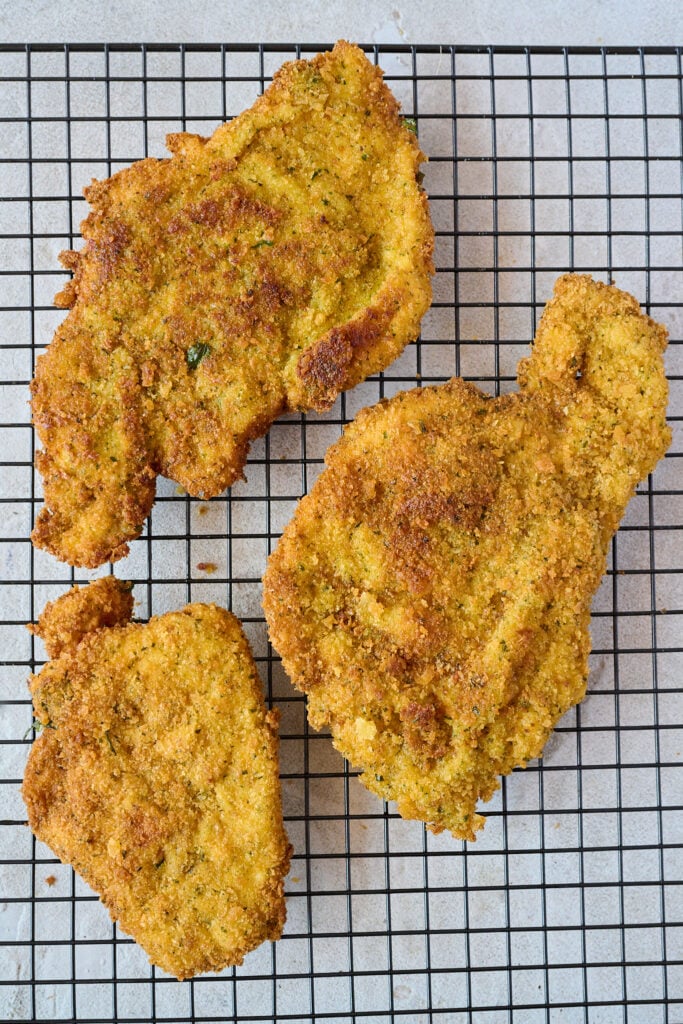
pixel 64 622
pixel 432 593
pixel 261 270
pixel 325 369
pixel 156 777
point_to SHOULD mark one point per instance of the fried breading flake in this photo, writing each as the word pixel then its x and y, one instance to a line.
pixel 64 622
pixel 156 776
pixel 260 271
pixel 432 593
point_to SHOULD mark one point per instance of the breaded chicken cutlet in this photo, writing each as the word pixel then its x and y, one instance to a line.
pixel 156 776
pixel 432 593
pixel 260 271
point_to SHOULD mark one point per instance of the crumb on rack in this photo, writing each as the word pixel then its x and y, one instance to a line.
pixel 207 566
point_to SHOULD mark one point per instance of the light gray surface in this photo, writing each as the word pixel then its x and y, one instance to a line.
pixel 585 22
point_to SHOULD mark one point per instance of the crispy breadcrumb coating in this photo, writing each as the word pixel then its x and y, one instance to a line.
pixel 432 593
pixel 259 271
pixel 64 622
pixel 156 776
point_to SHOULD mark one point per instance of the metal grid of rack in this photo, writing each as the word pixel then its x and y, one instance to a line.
pixel 569 906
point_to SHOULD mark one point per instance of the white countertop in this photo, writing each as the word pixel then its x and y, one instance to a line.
pixel 583 23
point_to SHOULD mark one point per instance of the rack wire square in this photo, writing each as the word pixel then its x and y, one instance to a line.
pixel 569 907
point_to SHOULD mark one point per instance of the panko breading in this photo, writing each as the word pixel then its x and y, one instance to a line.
pixel 156 777
pixel 64 622
pixel 260 271
pixel 432 593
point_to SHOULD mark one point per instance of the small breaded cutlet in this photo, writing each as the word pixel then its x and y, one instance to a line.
pixel 432 593
pixel 260 271
pixel 156 775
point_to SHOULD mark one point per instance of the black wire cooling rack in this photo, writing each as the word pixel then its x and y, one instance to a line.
pixel 569 906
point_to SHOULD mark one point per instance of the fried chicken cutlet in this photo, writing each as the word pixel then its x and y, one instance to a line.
pixel 260 271
pixel 156 776
pixel 432 593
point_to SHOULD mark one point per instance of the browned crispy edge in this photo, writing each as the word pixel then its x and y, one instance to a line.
pixel 65 621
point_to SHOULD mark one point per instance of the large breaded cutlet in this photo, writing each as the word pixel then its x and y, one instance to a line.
pixel 432 593
pixel 256 272
pixel 156 775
